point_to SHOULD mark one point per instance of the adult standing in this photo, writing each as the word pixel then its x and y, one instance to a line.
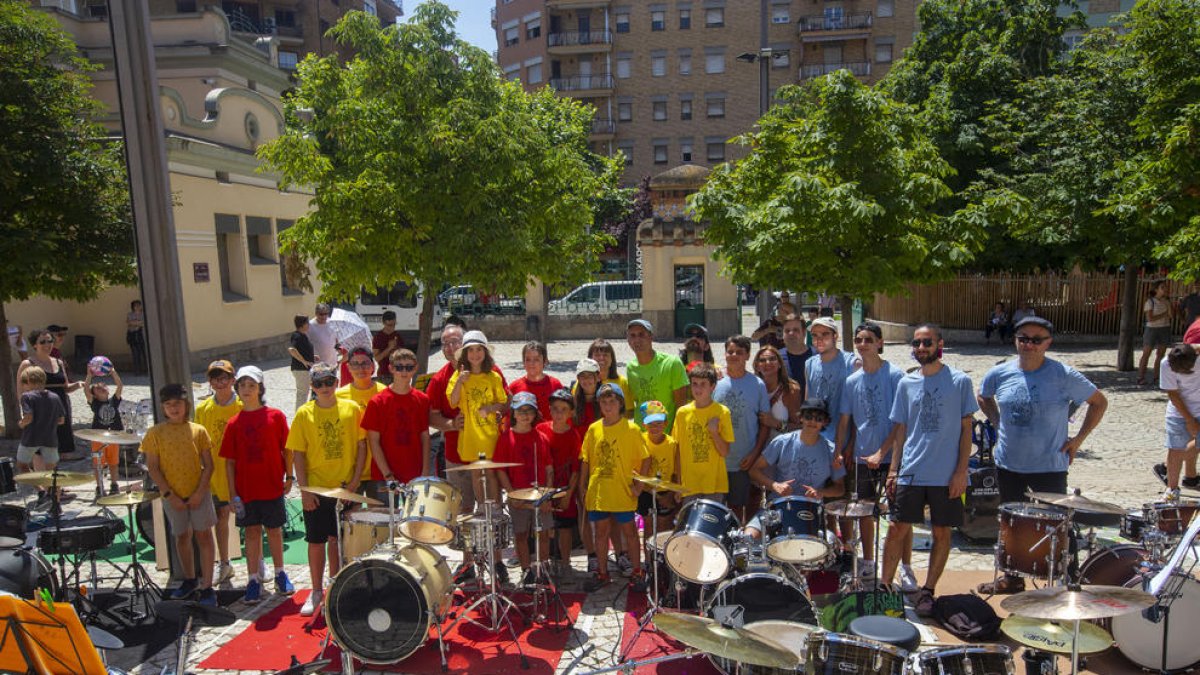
pixel 135 334
pixel 60 339
pixel 1182 384
pixel 782 390
pixel 826 373
pixel 746 397
pixel 384 343
pixel 795 351
pixel 1024 311
pixel 320 333
pixel 653 375
pixel 1156 336
pixel 58 381
pixel 301 350
pixel 932 412
pixel 1030 400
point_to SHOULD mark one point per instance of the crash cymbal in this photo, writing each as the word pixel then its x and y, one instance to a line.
pixel 341 493
pixel 127 498
pixel 658 483
pixel 298 668
pixel 108 437
pixel 845 508
pixel 178 611
pixel 1076 502
pixel 45 479
pixel 1061 603
pixel 736 644
pixel 531 494
pixel 483 464
pixel 1051 637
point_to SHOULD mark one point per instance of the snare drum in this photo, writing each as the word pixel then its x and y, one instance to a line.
pixel 430 507
pixel 363 531
pixel 1032 537
pixel 1173 517
pixel 1134 524
pixel 974 659
pixel 701 548
pixel 380 607
pixel 836 654
pixel 797 532
pixel 472 533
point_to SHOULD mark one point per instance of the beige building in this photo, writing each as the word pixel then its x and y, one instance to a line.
pixel 664 75
pixel 220 100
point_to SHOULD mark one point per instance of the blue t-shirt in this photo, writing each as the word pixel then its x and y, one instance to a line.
pixel 932 408
pixel 825 381
pixel 795 366
pixel 745 397
pixel 867 398
pixel 791 459
pixel 1034 409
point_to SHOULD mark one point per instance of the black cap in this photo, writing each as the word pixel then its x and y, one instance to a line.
pixel 815 404
pixel 562 394
pixel 55 328
pixel 1034 321
pixel 172 392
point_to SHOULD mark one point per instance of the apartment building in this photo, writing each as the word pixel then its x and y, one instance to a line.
pixel 672 81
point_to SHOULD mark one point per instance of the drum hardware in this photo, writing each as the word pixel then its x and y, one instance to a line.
pixel 852 510
pixel 297 668
pixel 143 587
pixel 1076 502
pixel 654 484
pixel 964 659
pixel 545 590
pixel 53 480
pixel 76 542
pixel 107 437
pixel 1047 557
pixel 189 613
pixel 1038 662
pixel 701 549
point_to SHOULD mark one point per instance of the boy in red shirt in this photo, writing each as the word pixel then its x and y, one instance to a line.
pixel 565 442
pixel 258 469
pixel 536 381
pixel 525 444
pixel 397 424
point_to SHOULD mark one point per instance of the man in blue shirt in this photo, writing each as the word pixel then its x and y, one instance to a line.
pixel 1030 400
pixel 932 412
pixel 826 372
pixel 746 396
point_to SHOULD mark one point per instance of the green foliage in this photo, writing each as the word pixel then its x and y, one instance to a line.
pixel 427 166
pixel 836 195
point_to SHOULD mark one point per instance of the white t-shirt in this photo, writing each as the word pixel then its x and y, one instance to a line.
pixel 1188 386
pixel 323 342
pixel 1157 305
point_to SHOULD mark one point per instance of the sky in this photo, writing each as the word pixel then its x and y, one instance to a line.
pixel 474 20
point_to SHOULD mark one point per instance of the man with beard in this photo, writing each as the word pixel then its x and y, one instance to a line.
pixel 826 374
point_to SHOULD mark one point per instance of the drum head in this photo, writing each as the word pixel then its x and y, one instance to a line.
pixel 797 549
pixel 697 559
pixel 1141 640
pixel 427 532
pixel 376 611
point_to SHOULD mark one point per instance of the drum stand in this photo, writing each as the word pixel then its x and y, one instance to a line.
pixel 142 585
pixel 545 590
pixel 654 607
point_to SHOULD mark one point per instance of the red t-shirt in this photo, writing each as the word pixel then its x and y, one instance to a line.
pixel 564 457
pixel 514 447
pixel 255 439
pixel 380 341
pixel 400 420
pixel 541 389
pixel 590 414
pixel 439 400
pixel 1192 336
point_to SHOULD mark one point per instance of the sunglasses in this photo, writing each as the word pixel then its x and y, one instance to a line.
pixel 46 342
pixel 863 340
pixel 325 382
pixel 360 364
pixel 922 342
pixel 405 367
pixel 1027 340
pixel 812 416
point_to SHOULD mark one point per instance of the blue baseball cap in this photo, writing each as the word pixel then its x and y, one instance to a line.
pixel 610 388
pixel 524 399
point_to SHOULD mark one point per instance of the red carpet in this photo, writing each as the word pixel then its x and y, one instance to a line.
pixel 652 643
pixel 270 642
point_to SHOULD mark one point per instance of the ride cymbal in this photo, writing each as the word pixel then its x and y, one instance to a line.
pixel 108 437
pixel 1061 603
pixel 482 465
pixel 660 484
pixel 1076 502
pixel 46 479
pixel 341 493
pixel 127 498
pixel 845 508
pixel 735 644
pixel 1051 637
pixel 531 494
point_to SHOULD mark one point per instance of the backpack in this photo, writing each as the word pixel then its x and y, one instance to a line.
pixel 967 616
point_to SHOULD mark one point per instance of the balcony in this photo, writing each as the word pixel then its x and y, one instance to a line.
pixel 584 86
pixel 856 68
pixel 603 130
pixel 845 27
pixel 579 42
pixel 493 17
pixel 577 4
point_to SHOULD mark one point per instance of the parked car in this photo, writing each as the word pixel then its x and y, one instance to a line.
pixel 404 300
pixel 601 297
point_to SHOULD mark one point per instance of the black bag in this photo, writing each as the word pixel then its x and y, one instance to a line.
pixel 967 616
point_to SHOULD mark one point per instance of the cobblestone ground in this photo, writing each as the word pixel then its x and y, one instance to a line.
pixel 1114 467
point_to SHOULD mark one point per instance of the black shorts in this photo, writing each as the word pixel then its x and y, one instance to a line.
pixel 863 481
pixel 911 501
pixel 320 524
pixel 1013 485
pixel 269 513
pixel 739 488
pixel 561 523
pixel 643 507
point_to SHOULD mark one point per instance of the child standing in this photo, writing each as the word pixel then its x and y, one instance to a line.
pixel 587 383
pixel 524 444
pixel 565 443
pixel 41 413
pixel 704 429
pixel 396 421
pixel 214 413
pixel 536 381
pixel 664 456
pixel 478 391
pixel 106 414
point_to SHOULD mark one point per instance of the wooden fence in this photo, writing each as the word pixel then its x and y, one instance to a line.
pixel 1076 303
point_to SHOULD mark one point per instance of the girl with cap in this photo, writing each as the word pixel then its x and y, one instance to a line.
pixel 565 442
pixel 479 392
pixel 525 445
pixel 587 382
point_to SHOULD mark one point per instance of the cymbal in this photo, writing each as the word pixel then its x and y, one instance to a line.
pixel 656 483
pixel 736 644
pixel 45 479
pixel 1076 502
pixel 1051 637
pixel 341 493
pixel 177 611
pixel 845 508
pixel 298 668
pixel 102 639
pixel 108 437
pixel 483 464
pixel 1060 603
pixel 127 498
pixel 530 494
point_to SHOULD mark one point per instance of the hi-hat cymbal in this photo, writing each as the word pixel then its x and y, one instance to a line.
pixel 341 493
pixel 127 498
pixel 1076 502
pixel 736 644
pixel 656 483
pixel 45 479
pixel 108 437
pixel 1051 637
pixel 844 508
pixel 483 464
pixel 531 494
pixel 1061 603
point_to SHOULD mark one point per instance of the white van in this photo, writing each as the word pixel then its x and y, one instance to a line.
pixel 405 301
pixel 601 297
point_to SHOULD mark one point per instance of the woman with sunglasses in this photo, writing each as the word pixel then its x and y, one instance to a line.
pixel 58 382
pixel 784 392
pixel 362 388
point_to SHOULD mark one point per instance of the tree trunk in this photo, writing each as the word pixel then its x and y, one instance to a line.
pixel 1129 319
pixel 847 303
pixel 544 315
pixel 8 380
pixel 425 325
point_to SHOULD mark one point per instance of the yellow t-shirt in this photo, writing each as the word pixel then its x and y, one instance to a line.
pixel 479 435
pixel 662 456
pixel 329 438
pixel 178 447
pixel 613 454
pixel 701 467
pixel 213 417
pixel 361 397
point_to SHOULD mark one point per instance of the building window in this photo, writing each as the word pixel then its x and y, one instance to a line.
pixel 780 14
pixel 288 60
pixel 660 153
pixel 714 63
pixel 660 111
pixel 284 18
pixel 624 66
pixel 685 150
pixel 685 110
pixel 658 20
pixel 622 21
pixel 716 151
pixel 685 19
pixel 512 72
pixel 625 112
pixel 533 29
pixel 658 65
pixel 780 59
pixel 511 36
pixel 714 17
pixel 370 8
pixel 626 150
pixel 716 107
pixel 231 257
pixel 260 242
pixel 685 64
pixel 885 8
pixel 533 74
pixel 883 53
pixel 287 283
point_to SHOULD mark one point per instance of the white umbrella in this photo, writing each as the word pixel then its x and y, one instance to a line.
pixel 349 329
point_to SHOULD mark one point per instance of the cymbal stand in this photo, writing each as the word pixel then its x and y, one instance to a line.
pixel 139 578
pixel 545 590
pixel 654 607
pixel 629 667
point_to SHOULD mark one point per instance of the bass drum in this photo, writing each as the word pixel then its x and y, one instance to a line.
pixel 379 607
pixel 1113 566
pixel 754 598
pixel 1141 640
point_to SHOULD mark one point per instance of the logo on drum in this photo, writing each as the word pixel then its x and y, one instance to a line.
pixel 847 667
pixel 709 517
pixel 805 515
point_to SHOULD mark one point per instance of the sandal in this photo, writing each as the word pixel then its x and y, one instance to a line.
pixel 924 603
pixel 1003 586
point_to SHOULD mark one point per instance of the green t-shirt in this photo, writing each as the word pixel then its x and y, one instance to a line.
pixel 655 381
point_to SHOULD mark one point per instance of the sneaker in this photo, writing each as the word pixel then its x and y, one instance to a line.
pixel 208 597
pixel 866 570
pixel 253 592
pixel 113 488
pixel 283 585
pixel 185 590
pixel 1160 470
pixel 312 603
pixel 597 582
pixel 593 565
pixel 1193 482
pixel 924 603
pixel 224 573
pixel 501 573
pixel 908 580
pixel 624 565
pixel 1170 495
pixel 637 582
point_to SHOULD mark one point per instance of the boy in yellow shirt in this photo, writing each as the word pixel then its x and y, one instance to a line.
pixel 613 450
pixel 664 456
pixel 213 413
pixel 704 430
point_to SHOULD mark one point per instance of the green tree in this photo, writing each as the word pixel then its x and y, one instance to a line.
pixel 65 230
pixel 837 195
pixel 429 167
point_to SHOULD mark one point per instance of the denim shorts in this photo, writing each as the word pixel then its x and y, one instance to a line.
pixel 25 453
pixel 1177 434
